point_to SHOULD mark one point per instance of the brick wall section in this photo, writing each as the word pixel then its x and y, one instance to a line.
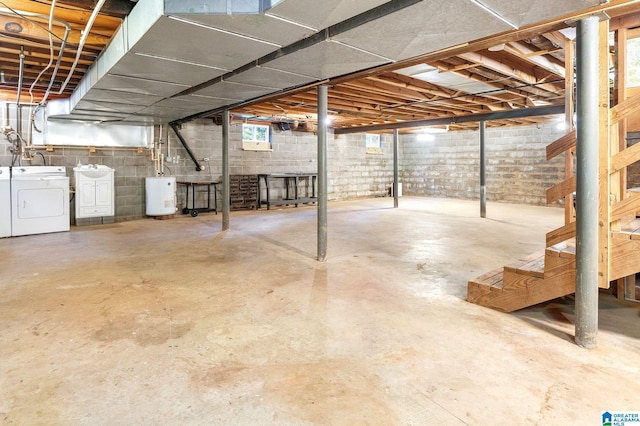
pixel 517 169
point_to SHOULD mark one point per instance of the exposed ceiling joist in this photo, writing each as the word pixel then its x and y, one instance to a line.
pixel 472 118
pixel 470 78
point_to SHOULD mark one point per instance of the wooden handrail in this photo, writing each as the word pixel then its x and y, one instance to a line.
pixel 624 109
pixel 561 145
pixel 561 189
pixel 624 158
pixel 561 234
pixel 627 207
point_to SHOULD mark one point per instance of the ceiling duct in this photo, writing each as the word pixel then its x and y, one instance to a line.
pixel 172 60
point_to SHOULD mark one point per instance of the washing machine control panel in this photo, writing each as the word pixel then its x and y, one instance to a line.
pixel 39 170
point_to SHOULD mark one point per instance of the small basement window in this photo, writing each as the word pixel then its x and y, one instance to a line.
pixel 372 143
pixel 256 137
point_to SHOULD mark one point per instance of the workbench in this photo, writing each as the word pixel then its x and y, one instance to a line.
pixel 193 210
pixel 294 193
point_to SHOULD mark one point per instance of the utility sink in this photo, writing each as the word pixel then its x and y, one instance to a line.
pixel 93 171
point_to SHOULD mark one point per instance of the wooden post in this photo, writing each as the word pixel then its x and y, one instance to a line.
pixel 569 48
pixel 605 150
pixel 625 286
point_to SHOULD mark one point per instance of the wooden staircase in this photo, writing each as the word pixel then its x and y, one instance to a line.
pixel 551 273
pixel 534 279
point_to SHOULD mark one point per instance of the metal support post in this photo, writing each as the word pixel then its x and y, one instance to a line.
pixel 322 172
pixel 586 328
pixel 395 168
pixel 225 171
pixel 483 173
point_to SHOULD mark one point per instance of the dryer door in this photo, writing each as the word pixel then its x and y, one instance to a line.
pixel 39 205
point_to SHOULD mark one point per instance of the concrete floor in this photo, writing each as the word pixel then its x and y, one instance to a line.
pixel 173 322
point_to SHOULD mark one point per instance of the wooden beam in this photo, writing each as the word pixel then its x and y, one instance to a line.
pixel 625 158
pixel 499 115
pixel 625 108
pixel 564 143
pixel 502 67
pixel 561 190
pixel 68 14
pixel 630 206
pixel 534 57
pixel 624 256
pixel 625 22
pixel 398 89
pixel 561 234
pixel 569 163
pixel 16 26
pixel 604 153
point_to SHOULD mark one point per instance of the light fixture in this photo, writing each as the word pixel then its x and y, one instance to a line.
pixel 434 130
pixel 2 80
pixel 425 137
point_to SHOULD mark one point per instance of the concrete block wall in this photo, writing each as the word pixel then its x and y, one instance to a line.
pixel 352 172
pixel 516 167
pixel 130 167
pixel 447 167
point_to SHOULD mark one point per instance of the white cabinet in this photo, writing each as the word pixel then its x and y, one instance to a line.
pixel 94 191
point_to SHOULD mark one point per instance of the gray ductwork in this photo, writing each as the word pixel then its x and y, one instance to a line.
pixel 173 59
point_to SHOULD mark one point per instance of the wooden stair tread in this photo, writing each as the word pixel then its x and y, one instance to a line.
pixel 626 234
pixel 490 279
pixel 565 249
pixel 532 265
pixel 630 226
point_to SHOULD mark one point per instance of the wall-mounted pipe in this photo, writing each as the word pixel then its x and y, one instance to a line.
pixel 199 167
pixel 20 75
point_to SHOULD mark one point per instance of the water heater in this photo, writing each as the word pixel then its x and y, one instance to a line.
pixel 160 195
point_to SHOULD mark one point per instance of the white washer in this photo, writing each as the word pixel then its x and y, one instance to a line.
pixel 39 200
pixel 5 202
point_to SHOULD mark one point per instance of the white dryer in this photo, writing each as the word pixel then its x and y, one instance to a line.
pixel 39 200
pixel 5 202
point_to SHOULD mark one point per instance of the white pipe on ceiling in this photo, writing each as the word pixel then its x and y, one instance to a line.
pixel 83 39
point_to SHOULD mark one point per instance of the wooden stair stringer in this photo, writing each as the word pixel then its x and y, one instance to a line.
pixel 624 254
